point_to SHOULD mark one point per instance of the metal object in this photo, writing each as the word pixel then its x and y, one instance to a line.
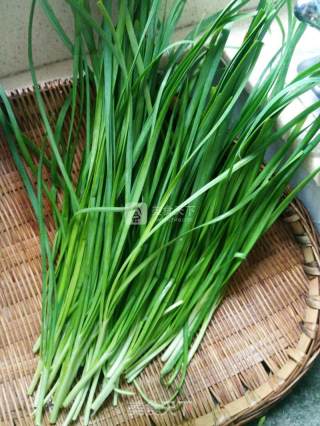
pixel 308 11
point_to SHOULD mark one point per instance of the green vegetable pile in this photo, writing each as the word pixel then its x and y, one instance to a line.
pixel 169 145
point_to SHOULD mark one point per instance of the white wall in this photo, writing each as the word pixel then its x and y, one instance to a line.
pixel 47 47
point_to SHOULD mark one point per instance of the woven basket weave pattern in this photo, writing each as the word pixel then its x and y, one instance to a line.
pixel 262 339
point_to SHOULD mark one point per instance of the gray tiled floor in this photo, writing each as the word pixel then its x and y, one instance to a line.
pixel 302 406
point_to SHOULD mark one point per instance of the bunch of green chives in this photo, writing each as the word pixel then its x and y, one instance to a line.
pixel 170 137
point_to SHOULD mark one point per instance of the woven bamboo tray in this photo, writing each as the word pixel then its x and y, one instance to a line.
pixel 262 339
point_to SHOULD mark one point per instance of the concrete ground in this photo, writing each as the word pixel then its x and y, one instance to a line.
pixel 301 407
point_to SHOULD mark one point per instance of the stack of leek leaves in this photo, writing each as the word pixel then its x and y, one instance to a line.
pixel 162 133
